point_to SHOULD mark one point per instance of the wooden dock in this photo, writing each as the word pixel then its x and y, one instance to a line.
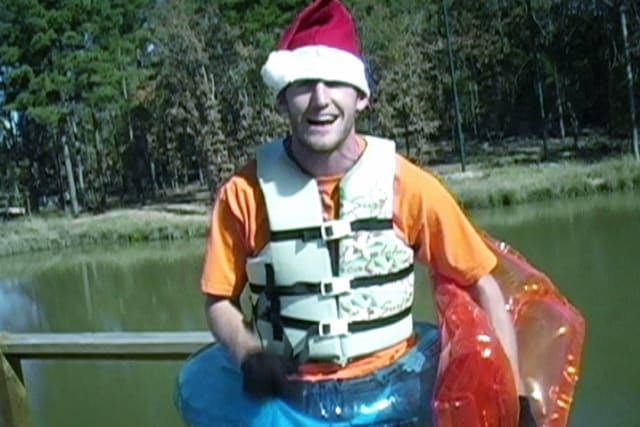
pixel 14 409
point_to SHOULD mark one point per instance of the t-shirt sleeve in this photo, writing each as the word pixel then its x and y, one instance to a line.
pixel 441 234
pixel 223 272
pixel 238 228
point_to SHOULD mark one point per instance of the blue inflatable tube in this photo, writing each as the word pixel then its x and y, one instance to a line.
pixel 209 393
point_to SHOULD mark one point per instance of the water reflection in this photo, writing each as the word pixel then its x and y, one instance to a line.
pixel 136 288
pixel 19 311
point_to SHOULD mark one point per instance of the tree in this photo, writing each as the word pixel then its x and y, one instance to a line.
pixel 629 72
pixel 66 59
pixel 454 87
pixel 402 43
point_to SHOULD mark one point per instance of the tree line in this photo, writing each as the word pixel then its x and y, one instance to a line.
pixel 119 101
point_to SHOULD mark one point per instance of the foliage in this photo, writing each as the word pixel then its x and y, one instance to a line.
pixel 131 99
pixel 68 71
pixel 407 71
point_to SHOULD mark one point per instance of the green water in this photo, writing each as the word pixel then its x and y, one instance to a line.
pixel 588 246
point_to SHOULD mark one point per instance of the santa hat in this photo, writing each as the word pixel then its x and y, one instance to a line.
pixel 320 44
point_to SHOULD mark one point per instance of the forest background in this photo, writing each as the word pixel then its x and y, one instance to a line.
pixel 112 103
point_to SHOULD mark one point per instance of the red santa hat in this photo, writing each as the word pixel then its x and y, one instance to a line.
pixel 320 44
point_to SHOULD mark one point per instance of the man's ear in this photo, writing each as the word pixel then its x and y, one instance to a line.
pixel 362 102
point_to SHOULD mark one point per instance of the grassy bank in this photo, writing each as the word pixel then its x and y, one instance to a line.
pixel 479 187
pixel 122 225
pixel 483 187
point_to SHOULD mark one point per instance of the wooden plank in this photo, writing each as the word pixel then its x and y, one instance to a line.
pixel 104 344
pixel 14 409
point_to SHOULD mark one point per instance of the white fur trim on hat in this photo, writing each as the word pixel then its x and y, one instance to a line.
pixel 314 63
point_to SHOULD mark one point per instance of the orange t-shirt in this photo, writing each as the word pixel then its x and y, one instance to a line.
pixel 425 215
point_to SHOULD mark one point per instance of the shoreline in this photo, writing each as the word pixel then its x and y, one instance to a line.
pixel 480 187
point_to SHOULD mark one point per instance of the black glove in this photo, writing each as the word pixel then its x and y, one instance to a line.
pixel 265 374
pixel 525 419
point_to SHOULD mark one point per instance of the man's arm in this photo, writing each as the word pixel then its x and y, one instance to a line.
pixel 227 325
pixel 488 295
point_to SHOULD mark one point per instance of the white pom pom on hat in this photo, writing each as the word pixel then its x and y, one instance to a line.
pixel 320 44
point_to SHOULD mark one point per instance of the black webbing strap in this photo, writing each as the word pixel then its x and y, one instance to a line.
pixel 333 247
pixel 357 326
pixel 271 291
pixel 309 288
pixel 313 233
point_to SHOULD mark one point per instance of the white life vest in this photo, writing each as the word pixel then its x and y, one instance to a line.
pixel 331 290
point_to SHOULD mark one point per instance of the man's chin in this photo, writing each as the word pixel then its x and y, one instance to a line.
pixel 324 146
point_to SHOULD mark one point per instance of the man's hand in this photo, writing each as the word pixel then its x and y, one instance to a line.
pixel 265 374
pixel 526 416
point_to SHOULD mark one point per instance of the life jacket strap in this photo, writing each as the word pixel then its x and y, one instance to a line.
pixel 272 294
pixel 338 327
pixel 332 230
pixel 336 285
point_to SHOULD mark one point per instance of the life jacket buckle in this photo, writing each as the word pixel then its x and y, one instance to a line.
pixel 335 229
pixel 333 327
pixel 335 286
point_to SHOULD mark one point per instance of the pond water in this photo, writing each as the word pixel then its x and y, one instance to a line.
pixel 589 247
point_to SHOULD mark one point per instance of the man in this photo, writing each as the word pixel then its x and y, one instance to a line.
pixel 321 207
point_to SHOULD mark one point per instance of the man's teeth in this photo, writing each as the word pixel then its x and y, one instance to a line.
pixel 321 120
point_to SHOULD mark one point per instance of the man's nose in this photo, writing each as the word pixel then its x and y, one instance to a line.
pixel 320 93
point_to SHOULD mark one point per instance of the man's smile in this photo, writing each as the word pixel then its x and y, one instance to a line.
pixel 323 120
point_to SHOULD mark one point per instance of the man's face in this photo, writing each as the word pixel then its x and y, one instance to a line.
pixel 322 114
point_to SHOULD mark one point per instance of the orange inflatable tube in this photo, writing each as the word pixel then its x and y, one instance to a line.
pixel 475 384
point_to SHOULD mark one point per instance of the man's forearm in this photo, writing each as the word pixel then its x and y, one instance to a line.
pixel 227 325
pixel 488 295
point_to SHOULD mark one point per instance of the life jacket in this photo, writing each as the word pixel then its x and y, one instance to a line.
pixel 331 290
